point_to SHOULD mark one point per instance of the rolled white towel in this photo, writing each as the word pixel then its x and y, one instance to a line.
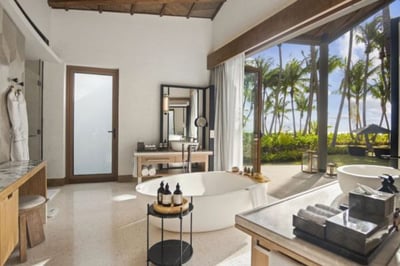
pixel 328 208
pixel 145 171
pixel 152 171
pixel 310 216
pixel 319 211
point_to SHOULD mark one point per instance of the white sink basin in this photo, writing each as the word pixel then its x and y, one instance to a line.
pixel 177 145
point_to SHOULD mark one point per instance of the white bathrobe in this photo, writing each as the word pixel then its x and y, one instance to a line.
pixel 18 116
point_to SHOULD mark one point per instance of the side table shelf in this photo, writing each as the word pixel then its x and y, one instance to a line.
pixel 170 251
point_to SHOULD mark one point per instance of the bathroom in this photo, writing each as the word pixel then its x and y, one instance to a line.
pixel 147 51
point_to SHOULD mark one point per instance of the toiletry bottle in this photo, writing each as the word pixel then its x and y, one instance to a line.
pixel 167 197
pixel 177 197
pixel 160 193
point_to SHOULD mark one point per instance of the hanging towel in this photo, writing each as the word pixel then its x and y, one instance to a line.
pixel 16 107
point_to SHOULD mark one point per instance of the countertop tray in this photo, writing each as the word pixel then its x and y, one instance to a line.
pixel 354 256
pixel 171 209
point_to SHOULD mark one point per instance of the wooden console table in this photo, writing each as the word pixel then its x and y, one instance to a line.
pixel 271 230
pixel 17 179
pixel 164 157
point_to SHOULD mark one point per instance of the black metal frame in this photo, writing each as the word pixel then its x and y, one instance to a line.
pixel 394 81
pixel 155 253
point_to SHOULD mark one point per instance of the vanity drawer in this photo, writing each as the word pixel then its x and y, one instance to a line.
pixel 8 225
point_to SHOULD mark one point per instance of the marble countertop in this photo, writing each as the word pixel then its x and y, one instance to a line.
pixel 10 172
pixel 274 223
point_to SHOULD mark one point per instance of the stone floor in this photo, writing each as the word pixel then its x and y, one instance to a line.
pixel 105 224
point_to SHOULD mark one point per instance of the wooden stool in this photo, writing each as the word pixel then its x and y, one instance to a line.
pixel 30 223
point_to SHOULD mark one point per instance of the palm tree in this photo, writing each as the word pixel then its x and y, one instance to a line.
pixel 311 66
pixel 366 34
pixel 301 106
pixel 379 92
pixel 344 88
pixel 293 74
pixel 264 64
pixel 248 98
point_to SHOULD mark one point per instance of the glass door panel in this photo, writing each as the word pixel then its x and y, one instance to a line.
pixel 251 119
pixel 93 124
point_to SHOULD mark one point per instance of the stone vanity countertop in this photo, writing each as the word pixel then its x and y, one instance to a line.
pixel 170 152
pixel 274 223
pixel 10 172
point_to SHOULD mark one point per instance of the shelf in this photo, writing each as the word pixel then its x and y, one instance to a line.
pixel 168 216
pixel 167 252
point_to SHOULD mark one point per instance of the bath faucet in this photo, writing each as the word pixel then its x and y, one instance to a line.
pixel 189 157
pixel 187 164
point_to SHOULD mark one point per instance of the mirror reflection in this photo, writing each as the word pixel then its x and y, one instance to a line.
pixel 182 106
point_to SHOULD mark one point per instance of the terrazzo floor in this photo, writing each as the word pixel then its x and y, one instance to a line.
pixel 105 224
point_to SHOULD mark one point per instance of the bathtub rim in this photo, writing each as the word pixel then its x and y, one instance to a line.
pixel 248 187
pixel 340 170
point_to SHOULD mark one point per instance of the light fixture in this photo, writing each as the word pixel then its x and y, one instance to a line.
pixel 309 162
pixel 331 170
pixel 165 105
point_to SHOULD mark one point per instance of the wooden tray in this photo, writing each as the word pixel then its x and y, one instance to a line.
pixel 172 209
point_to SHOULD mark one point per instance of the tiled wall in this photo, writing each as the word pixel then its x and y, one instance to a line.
pixel 12 61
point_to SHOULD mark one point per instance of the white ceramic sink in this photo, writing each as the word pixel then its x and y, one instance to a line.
pixel 177 145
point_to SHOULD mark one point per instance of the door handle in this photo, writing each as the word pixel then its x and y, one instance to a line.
pixel 113 132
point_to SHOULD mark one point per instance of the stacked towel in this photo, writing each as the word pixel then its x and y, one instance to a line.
pixel 152 170
pixel 145 171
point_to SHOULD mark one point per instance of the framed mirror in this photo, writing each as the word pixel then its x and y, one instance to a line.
pixel 187 114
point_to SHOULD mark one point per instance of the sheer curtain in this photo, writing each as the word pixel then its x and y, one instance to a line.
pixel 228 79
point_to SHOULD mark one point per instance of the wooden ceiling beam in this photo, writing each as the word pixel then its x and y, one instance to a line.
pixel 217 10
pixel 190 10
pixel 162 11
pixel 108 2
pixel 283 23
pixel 132 10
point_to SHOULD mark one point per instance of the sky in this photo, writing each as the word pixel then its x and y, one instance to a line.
pixel 338 47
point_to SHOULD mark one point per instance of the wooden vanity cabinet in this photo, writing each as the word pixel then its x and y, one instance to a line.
pixel 8 225
pixel 164 157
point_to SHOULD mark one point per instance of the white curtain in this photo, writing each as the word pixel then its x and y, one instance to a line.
pixel 18 116
pixel 228 80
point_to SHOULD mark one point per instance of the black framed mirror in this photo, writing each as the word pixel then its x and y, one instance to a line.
pixel 187 114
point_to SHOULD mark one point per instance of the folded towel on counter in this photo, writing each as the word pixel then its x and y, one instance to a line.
pixel 152 171
pixel 328 208
pixel 320 211
pixel 145 171
pixel 310 216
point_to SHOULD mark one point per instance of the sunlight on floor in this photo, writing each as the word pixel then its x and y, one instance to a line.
pixel 124 197
pixel 42 263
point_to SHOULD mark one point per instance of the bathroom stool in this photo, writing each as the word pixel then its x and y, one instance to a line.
pixel 30 223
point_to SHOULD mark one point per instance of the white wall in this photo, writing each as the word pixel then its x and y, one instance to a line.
pixel 39 12
pixel 54 119
pixel 12 65
pixel 147 50
pixel 237 16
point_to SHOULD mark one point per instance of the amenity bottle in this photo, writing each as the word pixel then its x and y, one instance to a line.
pixel 177 197
pixel 160 193
pixel 167 197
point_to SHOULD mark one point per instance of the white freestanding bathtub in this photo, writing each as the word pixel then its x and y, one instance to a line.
pixel 349 175
pixel 217 197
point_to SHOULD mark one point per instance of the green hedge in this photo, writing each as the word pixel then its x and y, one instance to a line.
pixel 285 147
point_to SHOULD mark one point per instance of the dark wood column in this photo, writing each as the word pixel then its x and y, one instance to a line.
pixel 322 107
